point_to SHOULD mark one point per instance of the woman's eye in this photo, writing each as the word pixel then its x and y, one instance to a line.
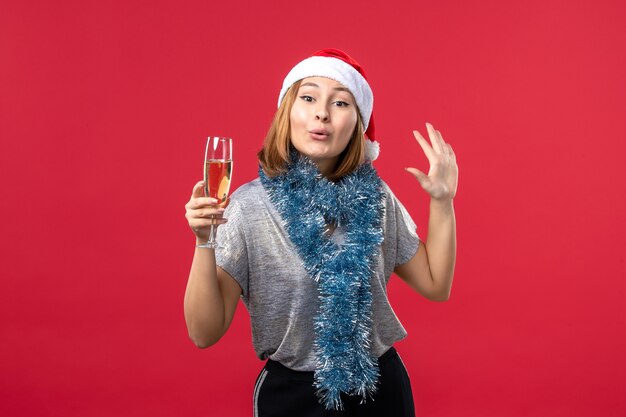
pixel 341 103
pixel 307 98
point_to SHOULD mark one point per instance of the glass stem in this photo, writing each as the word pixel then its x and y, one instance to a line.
pixel 213 230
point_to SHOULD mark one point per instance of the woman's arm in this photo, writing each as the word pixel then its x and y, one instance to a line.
pixel 210 299
pixel 431 270
pixel 212 294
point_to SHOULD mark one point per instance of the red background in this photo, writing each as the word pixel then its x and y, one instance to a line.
pixel 104 110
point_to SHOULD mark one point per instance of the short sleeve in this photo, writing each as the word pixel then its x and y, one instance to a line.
pixel 408 240
pixel 232 256
pixel 401 228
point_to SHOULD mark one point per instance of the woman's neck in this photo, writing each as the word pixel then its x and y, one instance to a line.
pixel 326 166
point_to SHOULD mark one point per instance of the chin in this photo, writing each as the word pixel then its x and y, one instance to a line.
pixel 318 156
pixel 310 151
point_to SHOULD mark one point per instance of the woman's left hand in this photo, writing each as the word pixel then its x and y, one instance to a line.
pixel 442 178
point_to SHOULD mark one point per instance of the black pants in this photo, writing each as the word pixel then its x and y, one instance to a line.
pixel 282 392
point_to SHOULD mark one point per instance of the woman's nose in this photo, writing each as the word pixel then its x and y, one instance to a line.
pixel 321 113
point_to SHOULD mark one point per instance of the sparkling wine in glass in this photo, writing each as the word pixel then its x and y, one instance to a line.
pixel 218 168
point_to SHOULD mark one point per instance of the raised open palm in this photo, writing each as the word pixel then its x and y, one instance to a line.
pixel 441 181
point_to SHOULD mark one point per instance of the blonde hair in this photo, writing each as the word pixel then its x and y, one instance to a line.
pixel 274 156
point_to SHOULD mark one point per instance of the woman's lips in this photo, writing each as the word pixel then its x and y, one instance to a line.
pixel 319 134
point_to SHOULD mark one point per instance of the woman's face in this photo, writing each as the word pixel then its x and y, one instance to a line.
pixel 323 118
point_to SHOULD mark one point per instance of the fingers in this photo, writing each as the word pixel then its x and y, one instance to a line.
pixel 417 173
pixel 435 138
pixel 201 202
pixel 198 190
pixel 203 218
pixel 451 152
pixel 443 144
pixel 212 221
pixel 424 144
pixel 420 176
pixel 200 207
pixel 206 213
pixel 446 146
pixel 438 144
pixel 198 200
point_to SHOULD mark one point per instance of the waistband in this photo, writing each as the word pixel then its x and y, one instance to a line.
pixel 278 368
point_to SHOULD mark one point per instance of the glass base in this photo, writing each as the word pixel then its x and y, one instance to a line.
pixel 212 242
pixel 209 245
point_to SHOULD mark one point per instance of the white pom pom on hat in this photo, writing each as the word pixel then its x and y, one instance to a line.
pixel 341 67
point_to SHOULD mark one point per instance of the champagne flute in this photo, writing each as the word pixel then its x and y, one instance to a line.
pixel 218 168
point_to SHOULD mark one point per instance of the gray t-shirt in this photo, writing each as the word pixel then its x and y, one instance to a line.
pixel 277 292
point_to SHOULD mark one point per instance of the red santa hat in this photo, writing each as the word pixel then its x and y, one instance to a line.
pixel 341 67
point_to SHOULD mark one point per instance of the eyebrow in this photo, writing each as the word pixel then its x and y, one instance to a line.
pixel 310 84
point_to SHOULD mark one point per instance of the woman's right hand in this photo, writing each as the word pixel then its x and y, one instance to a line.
pixel 202 212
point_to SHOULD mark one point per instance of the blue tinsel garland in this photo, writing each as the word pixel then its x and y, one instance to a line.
pixel 307 203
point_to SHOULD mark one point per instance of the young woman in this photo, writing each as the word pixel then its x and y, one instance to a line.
pixel 310 246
